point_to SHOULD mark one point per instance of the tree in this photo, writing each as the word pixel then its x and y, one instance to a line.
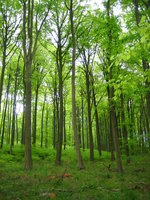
pixel 9 25
pixel 76 139
pixel 29 49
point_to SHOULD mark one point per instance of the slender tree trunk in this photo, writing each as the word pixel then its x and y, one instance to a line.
pixel 76 139
pixel 97 120
pixel 14 106
pixel 124 129
pixel 29 49
pixel 28 154
pixel 89 114
pixel 23 120
pixel 114 130
pixel 17 133
pixel 9 120
pixel 146 117
pixel 42 121
pixel 111 96
pixel 111 134
pixel 54 124
pixel 87 133
pixel 24 107
pixel 35 114
pixel 83 143
pixel 46 131
pixel 64 126
pixel 60 116
pixel 3 127
pixel 79 126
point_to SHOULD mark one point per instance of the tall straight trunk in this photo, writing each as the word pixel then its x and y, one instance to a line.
pixel 118 118
pixel 97 120
pixel 4 117
pixel 42 119
pixel 141 141
pixel 89 114
pixel 64 126
pixel 24 108
pixel 23 120
pixel 54 124
pixel 83 143
pixel 46 131
pixel 28 154
pixel 146 117
pixel 124 129
pixel 54 113
pixel 9 120
pixel 111 96
pixel 116 140
pixel 17 133
pixel 60 116
pixel 69 134
pixel 7 136
pixel 87 133
pixel 35 114
pixel 14 106
pixel 79 126
pixel 111 142
pixel 76 139
pixel 57 119
pixel 106 133
pixel 29 50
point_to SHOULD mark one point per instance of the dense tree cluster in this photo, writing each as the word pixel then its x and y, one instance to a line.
pixel 75 75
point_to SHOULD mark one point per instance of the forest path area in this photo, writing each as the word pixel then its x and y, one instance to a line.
pixel 99 179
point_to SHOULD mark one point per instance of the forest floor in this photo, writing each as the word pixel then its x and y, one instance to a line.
pixel 98 181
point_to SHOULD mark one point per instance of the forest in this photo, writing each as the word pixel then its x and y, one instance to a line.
pixel 75 99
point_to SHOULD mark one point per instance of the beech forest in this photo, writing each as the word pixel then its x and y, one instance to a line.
pixel 75 99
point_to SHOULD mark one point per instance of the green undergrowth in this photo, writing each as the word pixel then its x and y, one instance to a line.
pixel 99 179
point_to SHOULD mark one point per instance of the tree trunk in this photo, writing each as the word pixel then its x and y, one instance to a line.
pixel 54 123
pixel 28 154
pixel 83 143
pixel 89 114
pixel 14 106
pixel 9 120
pixel 114 130
pixel 3 128
pixel 42 121
pixel 96 118
pixel 64 126
pixel 24 108
pixel 79 126
pixel 87 133
pixel 17 133
pixel 35 114
pixel 23 120
pixel 60 116
pixel 76 139
pixel 46 136
pixel 124 130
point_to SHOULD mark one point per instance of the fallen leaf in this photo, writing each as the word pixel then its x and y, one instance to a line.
pixel 52 177
pixel 67 175
pixel 52 195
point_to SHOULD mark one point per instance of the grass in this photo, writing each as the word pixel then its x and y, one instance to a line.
pixel 94 183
